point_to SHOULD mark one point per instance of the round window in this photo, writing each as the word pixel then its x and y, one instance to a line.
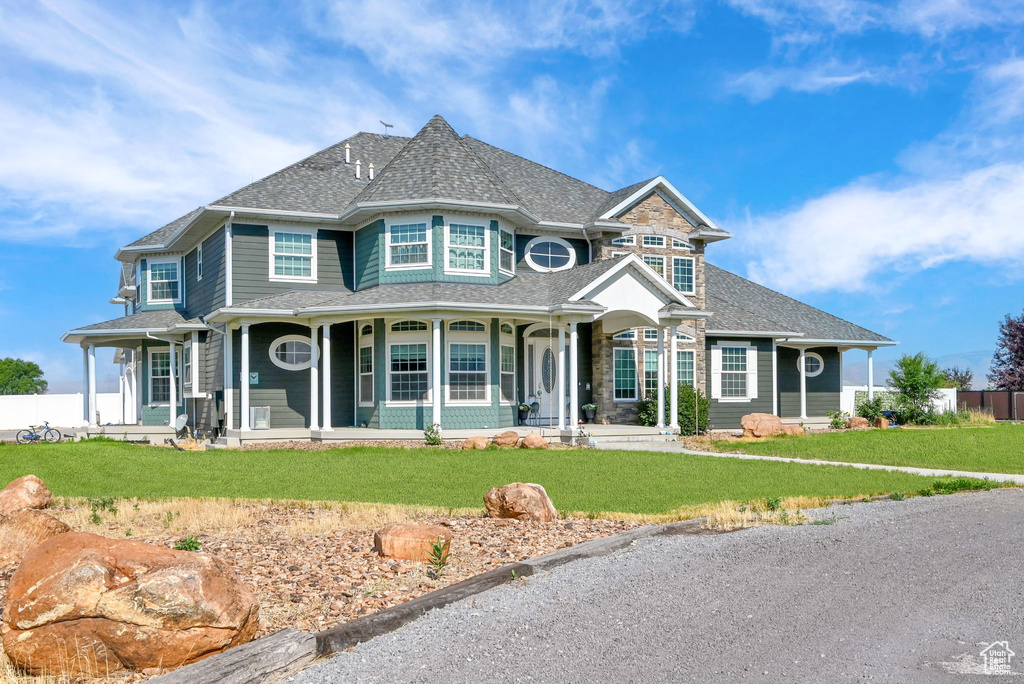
pixel 813 364
pixel 291 352
pixel 550 254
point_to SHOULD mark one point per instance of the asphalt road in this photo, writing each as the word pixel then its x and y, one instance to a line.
pixel 906 591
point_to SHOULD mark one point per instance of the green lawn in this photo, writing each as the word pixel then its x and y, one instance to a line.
pixel 996 449
pixel 577 480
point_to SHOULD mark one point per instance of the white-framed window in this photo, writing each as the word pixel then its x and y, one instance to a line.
pixel 651 334
pixel 293 254
pixel 626 335
pixel 366 375
pixel 813 364
pixel 466 245
pixel 409 245
pixel 366 329
pixel 507 251
pixel 682 274
pixel 685 367
pixel 616 255
pixel 467 326
pixel 650 373
pixel 656 262
pixel 164 283
pixel 160 376
pixel 624 373
pixel 654 241
pixel 733 371
pixel 468 352
pixel 625 240
pixel 408 363
pixel 681 244
pixel 508 363
pixel 547 253
pixel 199 262
pixel 186 363
pixel 292 352
pixel 680 335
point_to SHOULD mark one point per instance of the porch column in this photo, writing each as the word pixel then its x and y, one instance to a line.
pixel 435 391
pixel 85 385
pixel 91 375
pixel 661 377
pixel 314 377
pixel 574 376
pixel 326 364
pixel 244 423
pixel 803 384
pixel 871 375
pixel 172 398
pixel 561 376
pixel 673 345
pixel 229 378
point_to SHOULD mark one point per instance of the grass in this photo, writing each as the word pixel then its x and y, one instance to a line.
pixel 996 449
pixel 580 481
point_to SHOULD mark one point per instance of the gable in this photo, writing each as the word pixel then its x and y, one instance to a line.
pixel 655 210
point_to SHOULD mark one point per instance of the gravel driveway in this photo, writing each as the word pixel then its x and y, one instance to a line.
pixel 893 592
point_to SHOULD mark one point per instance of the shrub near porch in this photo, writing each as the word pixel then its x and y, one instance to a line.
pixel 645 483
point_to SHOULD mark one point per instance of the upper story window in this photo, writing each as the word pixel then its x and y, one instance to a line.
pixel 626 335
pixel 293 255
pixel 467 249
pixel 199 262
pixel 550 254
pixel 656 262
pixel 681 244
pixel 408 245
pixel 506 251
pixel 164 282
pixel 654 241
pixel 627 240
pixel 682 274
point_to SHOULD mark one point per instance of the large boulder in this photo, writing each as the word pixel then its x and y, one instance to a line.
pixel 509 438
pixel 408 541
pixel 84 605
pixel 520 501
pixel 22 531
pixel 534 441
pixel 475 443
pixel 882 423
pixel 794 430
pixel 25 492
pixel 761 425
pixel 858 423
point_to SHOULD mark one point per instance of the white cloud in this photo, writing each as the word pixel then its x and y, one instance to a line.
pixel 761 84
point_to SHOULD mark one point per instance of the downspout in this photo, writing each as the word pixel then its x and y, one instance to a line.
pixel 229 271
pixel 590 247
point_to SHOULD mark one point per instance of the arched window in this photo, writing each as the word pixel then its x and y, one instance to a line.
pixel 550 254
pixel 466 326
pixel 408 326
pixel 366 330
pixel 292 352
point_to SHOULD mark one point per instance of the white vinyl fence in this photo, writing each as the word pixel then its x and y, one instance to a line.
pixel 852 394
pixel 61 410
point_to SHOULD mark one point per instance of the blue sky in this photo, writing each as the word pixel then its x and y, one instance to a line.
pixel 868 156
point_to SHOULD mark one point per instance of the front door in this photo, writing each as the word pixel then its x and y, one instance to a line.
pixel 542 376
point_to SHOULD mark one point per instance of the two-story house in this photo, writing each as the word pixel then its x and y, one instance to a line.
pixel 392 282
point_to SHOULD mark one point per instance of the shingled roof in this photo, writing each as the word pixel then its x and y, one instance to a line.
pixel 741 305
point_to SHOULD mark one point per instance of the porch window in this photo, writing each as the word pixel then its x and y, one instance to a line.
pixel 508 373
pixel 467 248
pixel 624 365
pixel 160 376
pixel 365 376
pixel 292 352
pixel 813 364
pixel 408 326
pixel 656 262
pixel 292 256
pixel 682 274
pixel 186 363
pixel 506 251
pixel 466 326
pixel 409 245
pixel 467 372
pixel 734 371
pixel 163 282
pixel 685 366
pixel 409 375
pixel 650 373
pixel 654 241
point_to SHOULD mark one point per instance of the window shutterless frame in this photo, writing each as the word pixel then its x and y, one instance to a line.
pixel 506 251
pixel 163 281
pixel 199 262
pixel 683 273
pixel 467 248
pixel 292 254
pixel 365 362
pixel 653 241
pixel 160 376
pixel 409 243
pixel 656 262
pixel 409 370
pixel 468 363
pixel 624 374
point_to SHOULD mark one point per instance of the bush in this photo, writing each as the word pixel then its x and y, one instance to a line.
pixel 432 435
pixel 837 419
pixel 871 408
pixel 693 410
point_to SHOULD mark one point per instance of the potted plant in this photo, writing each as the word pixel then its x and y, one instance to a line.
pixel 590 410
pixel 524 413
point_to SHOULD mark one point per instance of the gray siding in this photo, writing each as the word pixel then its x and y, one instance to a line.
pixel 285 392
pixel 822 390
pixel 343 385
pixel 367 247
pixel 727 415
pixel 207 294
pixel 251 263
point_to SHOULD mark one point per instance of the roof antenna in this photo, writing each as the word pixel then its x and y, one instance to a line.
pixel 386 127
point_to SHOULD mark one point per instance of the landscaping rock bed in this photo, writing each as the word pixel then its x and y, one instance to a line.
pixel 313 567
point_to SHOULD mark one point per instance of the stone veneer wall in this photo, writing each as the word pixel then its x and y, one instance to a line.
pixel 652 216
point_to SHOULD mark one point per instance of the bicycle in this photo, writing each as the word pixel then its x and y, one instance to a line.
pixel 39 433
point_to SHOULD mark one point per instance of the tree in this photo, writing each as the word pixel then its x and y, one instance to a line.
pixel 1007 370
pixel 18 376
pixel 960 378
pixel 916 379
